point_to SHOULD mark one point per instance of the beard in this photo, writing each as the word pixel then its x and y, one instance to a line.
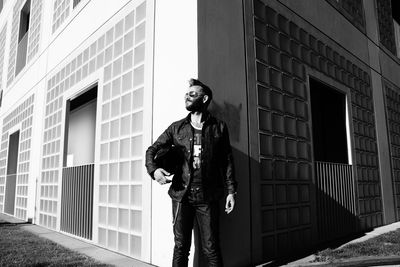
pixel 195 105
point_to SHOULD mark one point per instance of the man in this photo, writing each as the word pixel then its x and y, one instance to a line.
pixel 200 179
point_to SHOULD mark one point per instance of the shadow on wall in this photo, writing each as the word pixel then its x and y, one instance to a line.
pixel 293 223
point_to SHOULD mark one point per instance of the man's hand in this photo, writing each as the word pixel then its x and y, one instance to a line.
pixel 230 203
pixel 160 176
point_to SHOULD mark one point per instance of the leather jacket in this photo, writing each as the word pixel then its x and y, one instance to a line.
pixel 216 159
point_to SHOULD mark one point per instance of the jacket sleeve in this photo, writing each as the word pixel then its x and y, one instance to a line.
pixel 229 169
pixel 164 140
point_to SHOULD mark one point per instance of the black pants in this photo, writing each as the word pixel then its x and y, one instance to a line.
pixel 193 207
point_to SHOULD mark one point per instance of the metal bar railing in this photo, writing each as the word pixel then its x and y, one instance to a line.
pixel 336 205
pixel 77 200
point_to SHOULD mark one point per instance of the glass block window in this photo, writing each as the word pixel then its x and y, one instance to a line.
pixel 22 116
pixel 351 9
pixel 119 56
pixel 2 48
pixel 121 153
pixel 33 37
pixel 61 12
pixel 385 22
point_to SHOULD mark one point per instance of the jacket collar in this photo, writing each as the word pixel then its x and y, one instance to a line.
pixel 207 118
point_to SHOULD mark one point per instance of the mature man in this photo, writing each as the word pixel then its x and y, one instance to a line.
pixel 199 181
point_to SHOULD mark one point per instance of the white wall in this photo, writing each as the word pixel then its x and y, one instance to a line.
pixel 175 62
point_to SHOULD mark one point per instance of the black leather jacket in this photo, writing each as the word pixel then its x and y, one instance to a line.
pixel 216 159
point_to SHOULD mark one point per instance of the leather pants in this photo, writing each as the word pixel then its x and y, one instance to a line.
pixel 192 208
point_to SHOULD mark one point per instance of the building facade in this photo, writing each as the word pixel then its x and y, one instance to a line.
pixel 309 89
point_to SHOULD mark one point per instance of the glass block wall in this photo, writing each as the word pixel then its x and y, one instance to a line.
pixel 61 12
pixel 2 48
pixel 33 38
pixel 22 116
pixel 119 55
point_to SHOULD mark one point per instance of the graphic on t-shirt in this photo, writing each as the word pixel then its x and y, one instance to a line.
pixel 197 149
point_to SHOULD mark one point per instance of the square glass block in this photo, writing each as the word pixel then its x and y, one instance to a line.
pixel 129 20
pixel 123 242
pixel 127 81
pixel 113 172
pixel 119 29
pixel 112 238
pixel 105 114
pixel 140 32
pixel 85 71
pixel 107 73
pixel 104 152
pixel 100 60
pixel 139 54
pixel 137 98
pixel 108 54
pixel 103 215
pixel 141 12
pixel 137 122
pixel 124 171
pixel 136 146
pixel 114 127
pixel 126 103
pixel 113 195
pixel 125 125
pixel 103 172
pixel 109 36
pixel 103 194
pixel 138 76
pixel 118 48
pixel 136 246
pixel 114 150
pixel 124 194
pixel 136 221
pixel 124 148
pixel 112 217
pixel 127 61
pixel 105 131
pixel 117 67
pixel 128 41
pixel 116 87
pixel 136 195
pixel 101 43
pixel 102 236
pixel 136 170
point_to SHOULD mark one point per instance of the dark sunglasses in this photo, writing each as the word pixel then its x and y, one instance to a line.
pixel 193 94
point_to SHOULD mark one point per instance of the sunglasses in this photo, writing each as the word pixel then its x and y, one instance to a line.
pixel 193 94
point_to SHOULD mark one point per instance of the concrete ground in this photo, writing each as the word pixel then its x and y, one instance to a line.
pixel 100 254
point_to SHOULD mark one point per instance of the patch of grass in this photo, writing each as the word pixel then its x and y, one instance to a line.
pixel 19 247
pixel 387 244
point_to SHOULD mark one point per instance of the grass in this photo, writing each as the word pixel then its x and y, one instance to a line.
pixel 387 244
pixel 19 247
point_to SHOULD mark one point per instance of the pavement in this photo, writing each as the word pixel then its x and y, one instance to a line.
pixel 359 261
pixel 100 254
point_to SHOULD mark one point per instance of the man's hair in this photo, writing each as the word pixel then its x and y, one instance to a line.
pixel 206 90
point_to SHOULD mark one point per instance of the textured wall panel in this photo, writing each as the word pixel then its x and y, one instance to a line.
pixel 283 49
pixel 22 117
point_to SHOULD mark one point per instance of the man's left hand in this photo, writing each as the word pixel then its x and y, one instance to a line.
pixel 230 203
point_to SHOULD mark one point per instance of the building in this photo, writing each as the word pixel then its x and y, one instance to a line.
pixel 310 91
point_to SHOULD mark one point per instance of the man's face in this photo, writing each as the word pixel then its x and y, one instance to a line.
pixel 194 99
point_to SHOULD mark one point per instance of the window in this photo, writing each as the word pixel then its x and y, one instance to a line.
pixel 353 10
pixel 23 37
pixel 80 129
pixel 76 2
pixel 328 110
pixel 396 24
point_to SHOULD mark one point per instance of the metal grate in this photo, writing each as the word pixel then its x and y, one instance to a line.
pixel 77 200
pixel 336 203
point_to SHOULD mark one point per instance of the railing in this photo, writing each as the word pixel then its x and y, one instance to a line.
pixel 77 200
pixel 21 53
pixel 9 201
pixel 336 204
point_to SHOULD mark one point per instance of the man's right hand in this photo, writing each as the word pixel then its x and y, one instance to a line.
pixel 160 176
